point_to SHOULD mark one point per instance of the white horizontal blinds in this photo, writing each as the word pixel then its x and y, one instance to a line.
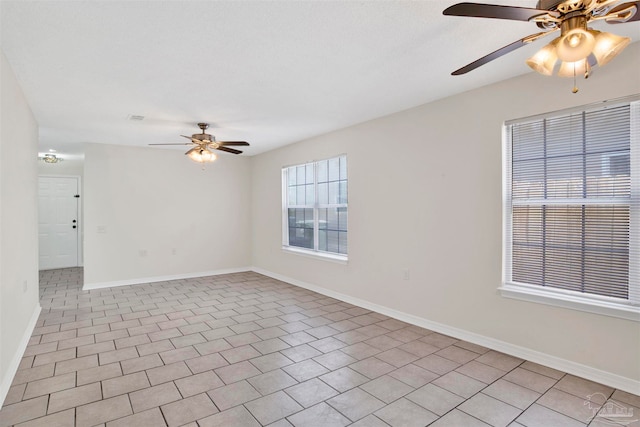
pixel 634 235
pixel 571 193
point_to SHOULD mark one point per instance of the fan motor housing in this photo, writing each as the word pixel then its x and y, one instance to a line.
pixel 204 137
pixel 570 4
pixel 548 4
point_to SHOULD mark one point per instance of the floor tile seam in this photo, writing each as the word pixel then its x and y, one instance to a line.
pixel 474 417
pixel 586 423
pixel 556 381
pixel 532 403
pixel 567 415
pixel 576 395
pixel 343 414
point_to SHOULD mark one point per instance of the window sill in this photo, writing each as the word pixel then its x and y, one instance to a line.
pixel 339 259
pixel 571 300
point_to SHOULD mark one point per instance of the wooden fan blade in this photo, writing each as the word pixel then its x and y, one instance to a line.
pixel 229 150
pixel 233 143
pixel 498 53
pixel 480 10
pixel 613 18
pixel 179 143
pixel 188 137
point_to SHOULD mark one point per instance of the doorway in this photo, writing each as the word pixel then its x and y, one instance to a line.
pixel 59 222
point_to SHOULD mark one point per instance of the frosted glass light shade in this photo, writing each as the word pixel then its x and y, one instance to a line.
pixel 576 68
pixel 577 44
pixel 545 59
pixel 201 155
pixel 608 46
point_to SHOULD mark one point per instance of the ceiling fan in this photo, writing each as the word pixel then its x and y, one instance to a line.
pixel 578 47
pixel 204 144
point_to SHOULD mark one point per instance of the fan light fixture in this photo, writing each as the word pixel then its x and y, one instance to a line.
pixel 201 155
pixel 205 144
pixel 578 48
pixel 50 158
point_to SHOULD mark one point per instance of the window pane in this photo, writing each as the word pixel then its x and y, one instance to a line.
pixel 342 242
pixel 300 196
pixel 292 200
pixel 343 168
pixel 309 173
pixel 578 248
pixel 322 218
pixel 322 241
pixel 301 228
pixel 291 174
pixel 342 219
pixel 310 194
pixel 332 242
pixel 332 219
pixel 301 175
pixel 323 193
pixel 323 171
pixel 334 192
pixel 334 169
pixel 343 192
pixel 583 155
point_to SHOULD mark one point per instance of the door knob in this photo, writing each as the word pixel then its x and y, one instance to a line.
pixel 74 226
pixel 74 221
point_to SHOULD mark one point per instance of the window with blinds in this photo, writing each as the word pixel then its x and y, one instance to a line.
pixel 315 206
pixel 571 202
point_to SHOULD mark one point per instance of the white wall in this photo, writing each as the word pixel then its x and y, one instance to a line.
pixel 154 200
pixel 18 224
pixel 425 195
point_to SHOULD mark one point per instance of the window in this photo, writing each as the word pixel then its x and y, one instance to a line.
pixel 572 209
pixel 315 206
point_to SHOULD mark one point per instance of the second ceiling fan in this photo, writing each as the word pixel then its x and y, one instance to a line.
pixel 204 143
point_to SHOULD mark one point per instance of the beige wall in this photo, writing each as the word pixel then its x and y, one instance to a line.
pixel 159 201
pixel 425 195
pixel 18 224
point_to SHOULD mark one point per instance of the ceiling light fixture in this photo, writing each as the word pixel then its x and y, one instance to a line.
pixel 50 158
pixel 204 144
pixel 578 48
pixel 201 155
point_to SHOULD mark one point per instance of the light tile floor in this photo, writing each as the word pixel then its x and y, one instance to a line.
pixel 247 350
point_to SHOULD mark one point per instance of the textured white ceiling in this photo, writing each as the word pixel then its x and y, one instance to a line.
pixel 268 72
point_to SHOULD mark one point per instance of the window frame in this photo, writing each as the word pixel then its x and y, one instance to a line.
pixel 308 252
pixel 592 303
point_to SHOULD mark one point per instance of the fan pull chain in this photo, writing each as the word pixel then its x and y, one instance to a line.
pixel 575 83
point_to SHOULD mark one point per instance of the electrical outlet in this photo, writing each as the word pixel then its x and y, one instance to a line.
pixel 405 274
pixel 142 252
pixel 24 286
pixel 102 229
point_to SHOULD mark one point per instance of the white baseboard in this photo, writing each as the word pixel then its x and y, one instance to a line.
pixel 17 356
pixel 578 369
pixel 126 282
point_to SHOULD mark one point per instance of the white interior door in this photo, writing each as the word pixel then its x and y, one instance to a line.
pixel 58 222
